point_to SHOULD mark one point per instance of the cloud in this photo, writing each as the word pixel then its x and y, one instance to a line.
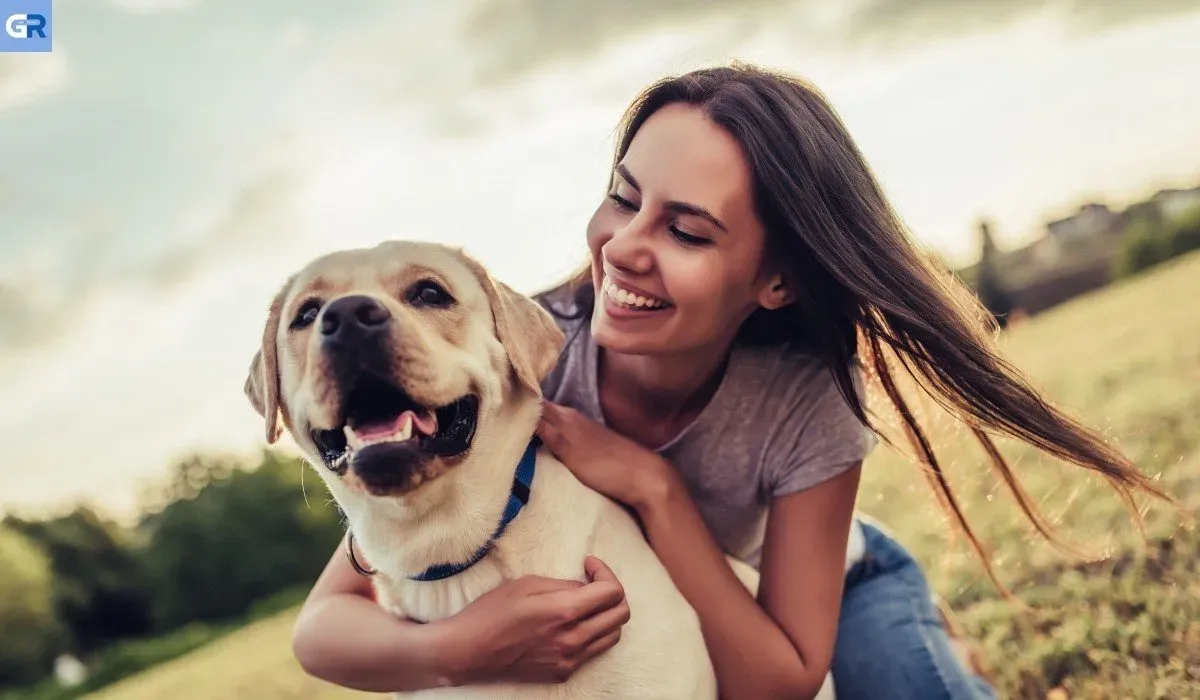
pixel 485 52
pixel 151 6
pixel 25 77
pixel 37 279
pixel 900 21
pixel 41 302
pixel 18 315
pixel 514 36
pixel 255 216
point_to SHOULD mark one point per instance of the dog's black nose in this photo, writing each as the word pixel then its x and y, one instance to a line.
pixel 353 318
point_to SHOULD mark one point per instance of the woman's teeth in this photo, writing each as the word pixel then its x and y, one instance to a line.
pixel 629 299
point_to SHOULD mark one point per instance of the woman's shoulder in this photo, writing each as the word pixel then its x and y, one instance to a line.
pixel 792 376
pixel 812 432
pixel 572 319
pixel 563 305
pixel 569 375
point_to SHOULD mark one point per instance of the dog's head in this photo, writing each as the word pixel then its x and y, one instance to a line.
pixel 384 364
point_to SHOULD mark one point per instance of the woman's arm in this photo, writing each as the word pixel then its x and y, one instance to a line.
pixel 531 629
pixel 777 647
pixel 342 636
pixel 781 645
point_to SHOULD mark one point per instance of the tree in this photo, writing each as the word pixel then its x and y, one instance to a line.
pixel 238 535
pixel 1184 234
pixel 1143 247
pixel 99 587
pixel 32 634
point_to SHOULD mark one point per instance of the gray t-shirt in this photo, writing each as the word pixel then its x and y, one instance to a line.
pixel 776 425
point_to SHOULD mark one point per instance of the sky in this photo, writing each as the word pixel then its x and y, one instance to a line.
pixel 167 166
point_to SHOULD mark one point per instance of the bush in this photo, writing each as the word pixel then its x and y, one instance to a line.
pixel 236 537
pixel 32 634
pixel 1184 234
pixel 1150 242
pixel 99 588
pixel 1144 247
pixel 220 544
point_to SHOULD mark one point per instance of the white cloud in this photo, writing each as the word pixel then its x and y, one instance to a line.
pixel 25 77
pixel 152 6
pixel 295 36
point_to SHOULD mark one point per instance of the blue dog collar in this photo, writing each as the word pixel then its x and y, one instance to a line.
pixel 517 498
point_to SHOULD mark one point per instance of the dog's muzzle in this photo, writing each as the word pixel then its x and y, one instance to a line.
pixel 388 438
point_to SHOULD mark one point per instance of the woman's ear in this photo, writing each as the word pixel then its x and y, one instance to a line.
pixel 775 295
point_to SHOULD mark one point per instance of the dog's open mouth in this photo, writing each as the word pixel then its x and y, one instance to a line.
pixel 379 416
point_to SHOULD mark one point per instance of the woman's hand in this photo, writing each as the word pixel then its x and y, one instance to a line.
pixel 539 630
pixel 604 460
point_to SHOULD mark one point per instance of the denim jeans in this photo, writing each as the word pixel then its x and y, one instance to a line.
pixel 890 639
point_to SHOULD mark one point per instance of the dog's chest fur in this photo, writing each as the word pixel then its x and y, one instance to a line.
pixel 661 654
pixel 556 506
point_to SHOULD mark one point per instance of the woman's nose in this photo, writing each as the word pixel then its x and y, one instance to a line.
pixel 629 250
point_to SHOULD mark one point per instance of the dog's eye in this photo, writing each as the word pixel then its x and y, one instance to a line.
pixel 306 314
pixel 429 293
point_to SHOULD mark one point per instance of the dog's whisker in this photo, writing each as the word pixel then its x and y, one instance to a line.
pixel 303 490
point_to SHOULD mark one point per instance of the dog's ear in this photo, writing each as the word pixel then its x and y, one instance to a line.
pixel 526 330
pixel 262 384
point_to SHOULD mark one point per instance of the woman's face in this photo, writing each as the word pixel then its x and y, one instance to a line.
pixel 677 248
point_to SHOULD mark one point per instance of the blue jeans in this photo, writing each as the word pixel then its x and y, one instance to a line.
pixel 890 639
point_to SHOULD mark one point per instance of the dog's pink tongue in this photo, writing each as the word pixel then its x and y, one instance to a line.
pixel 369 431
pixel 426 424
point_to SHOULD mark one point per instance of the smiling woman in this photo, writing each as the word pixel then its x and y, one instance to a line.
pixel 738 198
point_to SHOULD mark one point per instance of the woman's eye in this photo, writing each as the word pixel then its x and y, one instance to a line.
pixel 429 293
pixel 307 314
pixel 621 202
pixel 689 239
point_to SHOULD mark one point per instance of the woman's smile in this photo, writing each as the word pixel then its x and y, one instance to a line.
pixel 631 297
pixel 622 301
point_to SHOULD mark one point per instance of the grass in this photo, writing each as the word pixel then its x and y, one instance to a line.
pixel 255 662
pixel 1126 623
pixel 1123 623
pixel 131 656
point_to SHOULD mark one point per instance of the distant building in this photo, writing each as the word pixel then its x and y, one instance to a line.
pixel 989 282
pixel 1091 220
pixel 1076 255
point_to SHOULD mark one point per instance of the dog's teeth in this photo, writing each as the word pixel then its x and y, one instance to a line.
pixel 339 464
pixel 352 438
pixel 405 431
pixel 402 433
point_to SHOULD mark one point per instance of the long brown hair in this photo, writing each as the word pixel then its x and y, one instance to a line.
pixel 864 290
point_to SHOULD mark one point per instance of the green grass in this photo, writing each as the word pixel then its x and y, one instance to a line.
pixel 132 656
pixel 252 664
pixel 1127 360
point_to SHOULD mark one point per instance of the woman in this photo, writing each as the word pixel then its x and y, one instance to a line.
pixel 743 257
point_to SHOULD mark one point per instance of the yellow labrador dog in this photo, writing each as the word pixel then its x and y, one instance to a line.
pixel 411 379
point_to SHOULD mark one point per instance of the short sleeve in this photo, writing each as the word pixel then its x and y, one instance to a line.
pixel 570 323
pixel 817 438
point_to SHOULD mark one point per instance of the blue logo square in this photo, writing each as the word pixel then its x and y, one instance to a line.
pixel 26 26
